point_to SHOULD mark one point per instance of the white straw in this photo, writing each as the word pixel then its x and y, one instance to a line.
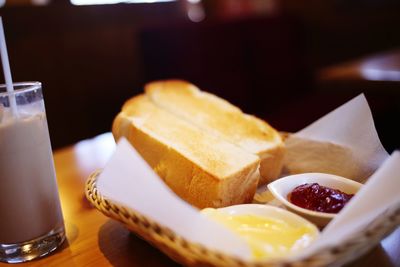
pixel 6 70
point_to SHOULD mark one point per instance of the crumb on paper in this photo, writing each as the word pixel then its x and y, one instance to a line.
pixel 263 197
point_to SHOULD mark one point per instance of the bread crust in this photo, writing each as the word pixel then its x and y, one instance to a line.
pixel 271 164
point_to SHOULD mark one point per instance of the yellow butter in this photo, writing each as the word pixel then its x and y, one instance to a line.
pixel 267 237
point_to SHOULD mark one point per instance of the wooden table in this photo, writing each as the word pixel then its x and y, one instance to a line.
pixel 384 66
pixel 95 240
pixel 376 73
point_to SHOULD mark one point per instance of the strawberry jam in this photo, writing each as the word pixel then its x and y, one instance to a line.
pixel 319 198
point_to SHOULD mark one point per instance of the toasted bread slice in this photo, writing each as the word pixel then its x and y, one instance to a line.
pixel 203 169
pixel 220 118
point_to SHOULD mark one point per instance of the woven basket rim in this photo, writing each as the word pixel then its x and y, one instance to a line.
pixel 189 253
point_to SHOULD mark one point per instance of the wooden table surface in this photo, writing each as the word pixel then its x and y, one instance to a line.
pixel 95 240
pixel 384 67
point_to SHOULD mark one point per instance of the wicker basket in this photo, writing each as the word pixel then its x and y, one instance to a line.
pixel 191 254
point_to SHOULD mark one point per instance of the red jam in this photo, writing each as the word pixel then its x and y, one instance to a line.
pixel 319 198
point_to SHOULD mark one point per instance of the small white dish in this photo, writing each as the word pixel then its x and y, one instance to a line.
pixel 281 188
pixel 275 213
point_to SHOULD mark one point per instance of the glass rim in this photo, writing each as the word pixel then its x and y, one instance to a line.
pixel 20 88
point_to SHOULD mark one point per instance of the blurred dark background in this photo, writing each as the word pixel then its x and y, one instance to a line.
pixel 286 61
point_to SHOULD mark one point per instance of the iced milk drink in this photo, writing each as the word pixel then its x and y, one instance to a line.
pixel 30 212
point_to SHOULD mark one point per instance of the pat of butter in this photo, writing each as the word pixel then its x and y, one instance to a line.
pixel 267 237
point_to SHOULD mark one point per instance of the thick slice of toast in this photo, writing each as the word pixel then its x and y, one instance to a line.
pixel 203 169
pixel 220 118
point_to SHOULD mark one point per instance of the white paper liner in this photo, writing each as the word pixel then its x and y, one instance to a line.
pixel 343 142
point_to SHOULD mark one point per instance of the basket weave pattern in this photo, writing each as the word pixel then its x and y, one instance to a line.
pixel 192 254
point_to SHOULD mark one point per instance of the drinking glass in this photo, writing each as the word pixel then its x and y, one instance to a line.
pixel 31 221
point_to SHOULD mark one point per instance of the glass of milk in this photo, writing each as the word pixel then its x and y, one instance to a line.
pixel 31 221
